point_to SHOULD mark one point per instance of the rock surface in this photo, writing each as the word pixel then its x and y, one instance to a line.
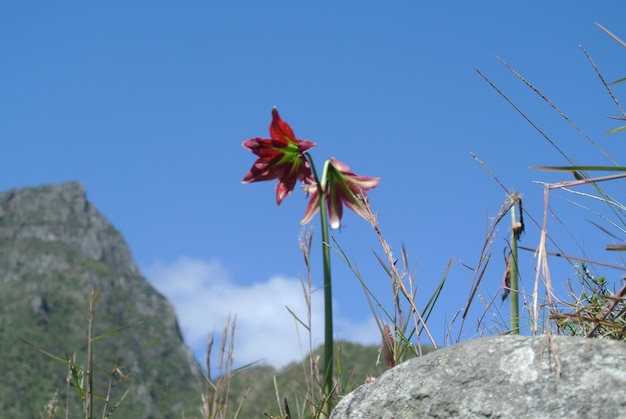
pixel 500 377
pixel 55 248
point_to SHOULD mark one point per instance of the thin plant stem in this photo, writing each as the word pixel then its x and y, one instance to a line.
pixel 89 381
pixel 514 278
pixel 327 383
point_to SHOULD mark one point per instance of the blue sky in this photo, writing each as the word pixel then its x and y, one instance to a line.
pixel 147 104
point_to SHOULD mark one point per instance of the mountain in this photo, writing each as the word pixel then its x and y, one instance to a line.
pixel 257 389
pixel 253 387
pixel 55 249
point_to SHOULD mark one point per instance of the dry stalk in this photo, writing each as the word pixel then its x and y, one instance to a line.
pixel 216 399
pixel 397 281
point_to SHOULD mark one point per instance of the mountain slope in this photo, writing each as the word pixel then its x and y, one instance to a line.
pixel 254 386
pixel 55 248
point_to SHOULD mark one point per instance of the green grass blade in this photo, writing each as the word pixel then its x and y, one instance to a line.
pixel 619 129
pixel 433 299
pixel 43 351
pixel 295 316
pixel 114 331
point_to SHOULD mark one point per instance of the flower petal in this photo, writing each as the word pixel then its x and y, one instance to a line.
pixel 312 208
pixel 282 157
pixel 280 131
pixel 341 186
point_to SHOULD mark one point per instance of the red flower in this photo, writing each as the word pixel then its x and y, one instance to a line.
pixel 339 185
pixel 281 157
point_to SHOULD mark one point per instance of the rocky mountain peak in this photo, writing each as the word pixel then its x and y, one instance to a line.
pixel 55 250
pixel 62 213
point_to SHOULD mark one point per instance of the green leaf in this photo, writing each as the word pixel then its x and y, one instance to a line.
pixel 295 316
pixel 613 131
pixel 43 351
pixel 114 331
pixel 618 81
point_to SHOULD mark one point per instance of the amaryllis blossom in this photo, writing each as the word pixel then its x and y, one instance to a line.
pixel 340 186
pixel 280 157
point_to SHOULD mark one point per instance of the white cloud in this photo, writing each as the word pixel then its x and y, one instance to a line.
pixel 204 295
pixel 365 332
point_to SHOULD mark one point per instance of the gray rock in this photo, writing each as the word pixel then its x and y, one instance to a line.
pixel 500 377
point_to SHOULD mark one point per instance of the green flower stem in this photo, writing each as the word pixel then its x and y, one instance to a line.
pixel 327 383
pixel 514 279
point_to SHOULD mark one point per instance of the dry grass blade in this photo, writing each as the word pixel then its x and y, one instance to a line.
pixel 611 34
pixel 578 171
pixel 215 401
pixel 604 83
pixel 310 370
pixel 528 215
pixel 596 311
pixel 579 168
pixel 116 371
pixel 616 204
pixel 397 278
pixel 485 254
pixel 309 401
pixel 614 300
pixel 539 130
pixel 81 378
pixel 556 108
pixel 68 384
pixel 615 207
pixel 282 412
pixel 581 174
pixel 542 269
pixel 587 181
pixel 599 313
pixel 577 258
